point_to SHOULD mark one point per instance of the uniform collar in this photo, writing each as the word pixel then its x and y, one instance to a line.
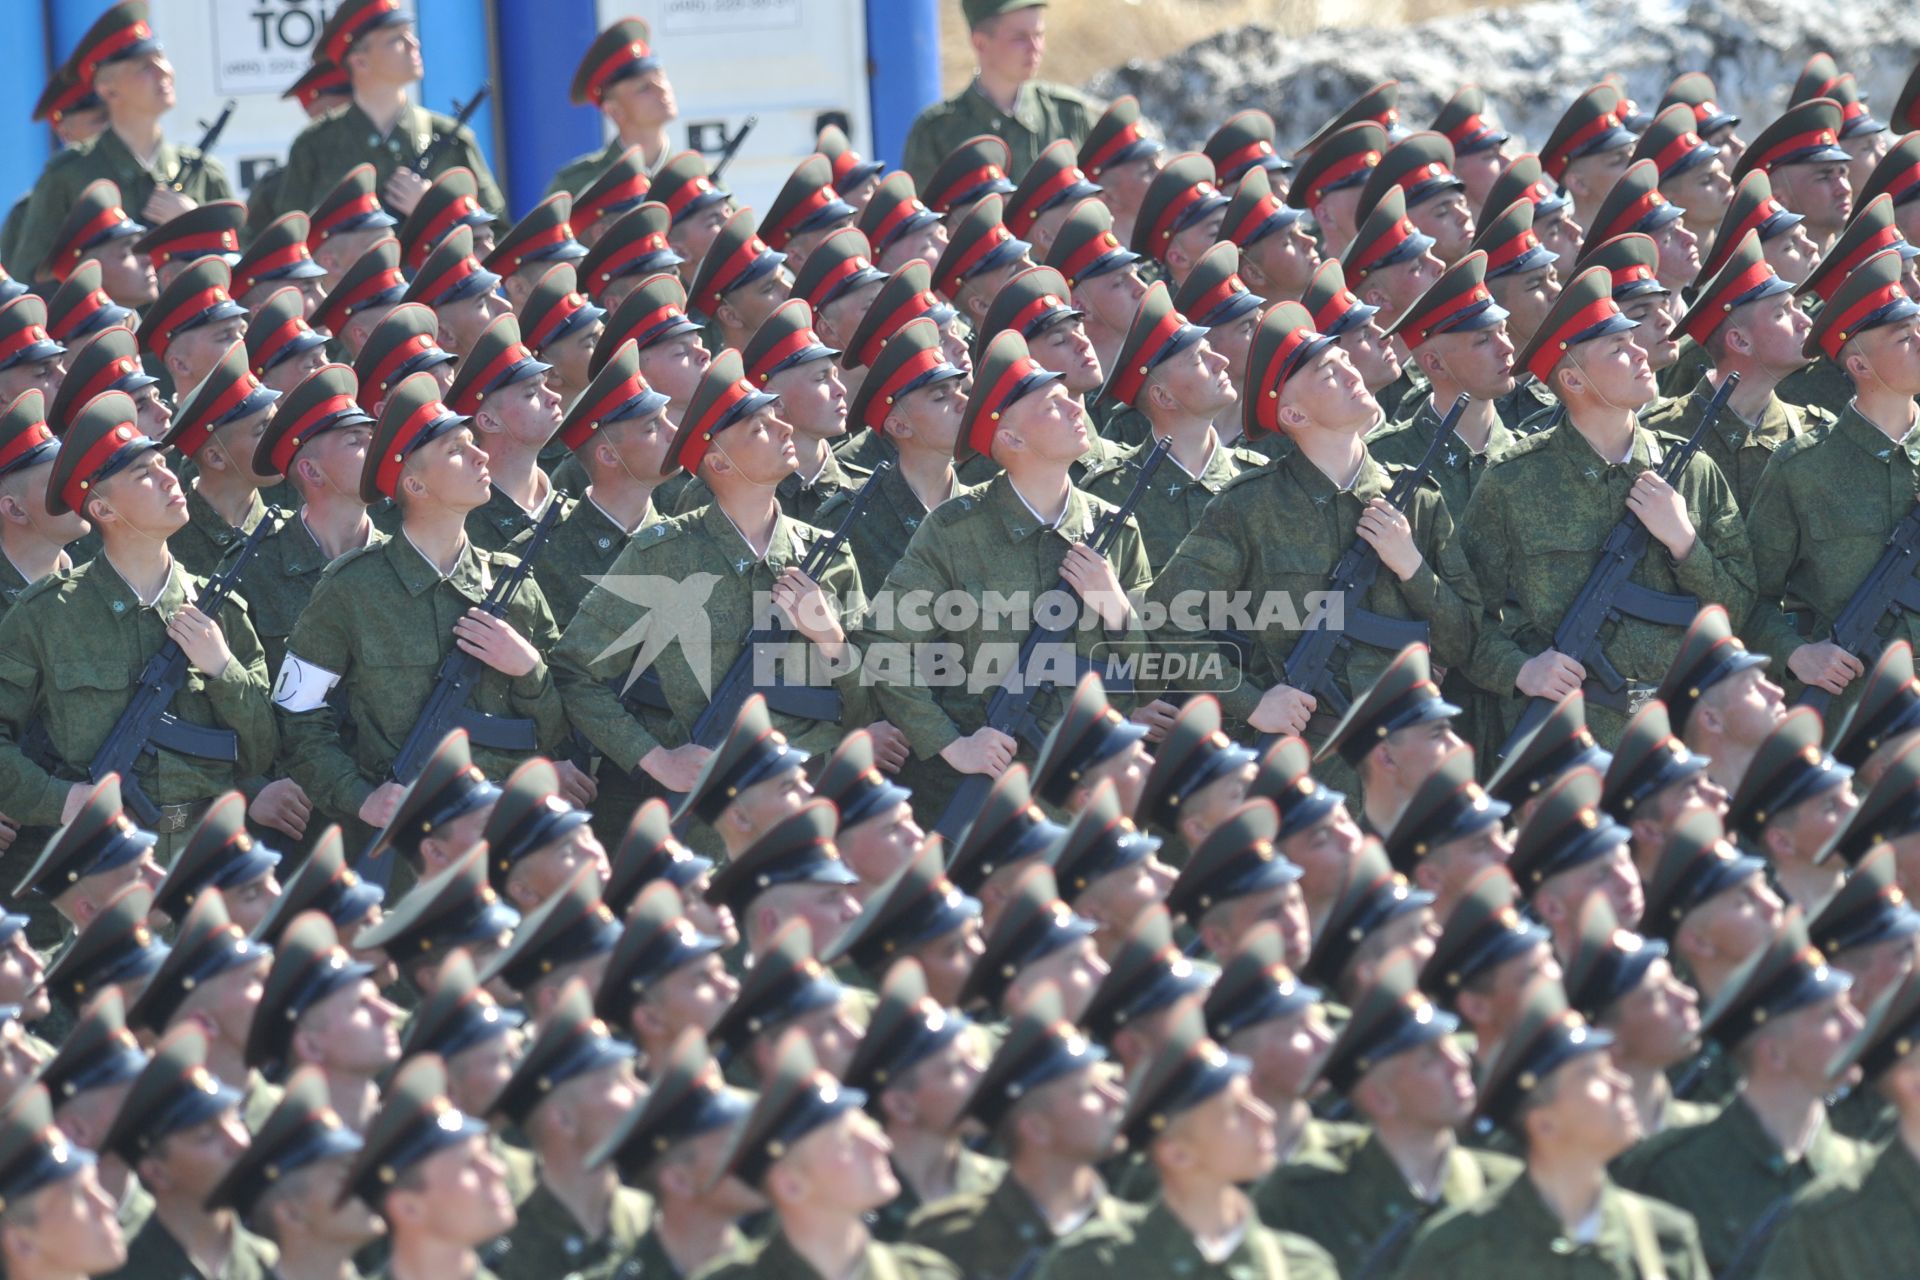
pixel 12 581
pixel 1456 454
pixel 1869 439
pixel 1026 105
pixel 303 553
pixel 589 509
pixel 784 548
pixel 470 577
pixel 1565 436
pixel 122 598
pixel 832 476
pixel 1371 482
pixel 166 157
pixel 201 515
pixel 1075 523
pixel 1774 428
pixel 411 122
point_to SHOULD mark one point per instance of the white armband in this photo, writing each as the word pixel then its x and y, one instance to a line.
pixel 302 686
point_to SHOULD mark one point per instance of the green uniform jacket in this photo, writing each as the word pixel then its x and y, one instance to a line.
pixel 1739 448
pixel 207 537
pixel 547 1242
pixel 698 551
pixel 976 1174
pixel 1399 398
pixel 1865 1224
pixel 1352 1207
pixel 10 230
pixel 982 541
pixel 68 173
pixel 1171 508
pixel 70 650
pixel 581 172
pixel 154 1254
pixel 1458 469
pixel 279 580
pixel 1728 1173
pixel 345 137
pixel 1042 112
pixel 380 621
pixel 1820 518
pixel 13 584
pixel 502 522
pixel 1535 526
pixel 990 1234
pixel 584 545
pixel 775 1259
pixel 1157 1244
pixel 1280 529
pixel 1512 1232
pixel 886 525
pixel 803 500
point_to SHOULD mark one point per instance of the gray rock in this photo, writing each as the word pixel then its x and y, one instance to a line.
pixel 1531 61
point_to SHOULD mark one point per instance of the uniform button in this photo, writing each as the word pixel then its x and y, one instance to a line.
pixel 119 606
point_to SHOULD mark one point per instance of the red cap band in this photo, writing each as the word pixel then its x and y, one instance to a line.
pixel 263 267
pixel 1703 320
pixel 922 363
pixel 1382 247
pixel 63 263
pixel 1135 363
pixel 782 351
pixel 960 268
pixel 1113 146
pixel 342 40
pixel 581 429
pixel 778 235
pixel 514 258
pixel 616 62
pixel 74 492
pixel 1524 243
pixel 376 385
pixel 987 423
pixel 437 227
pixel 629 190
pixel 159 330
pixel 942 200
pixel 1807 141
pixel 1835 338
pixel 1036 203
pixel 1221 294
pixel 14 343
pixel 289 444
pixel 1677 150
pixel 555 318
pixel 912 309
pixel 1556 162
pixel 111 47
pixel 358 207
pixel 729 272
pixel 1424 328
pixel 468 399
pixel 1544 359
pixel 1340 171
pixel 200 242
pixel 689 191
pixel 1181 202
pixel 386 477
pixel 104 379
pixel 694 451
pixel 274 343
pixel 23 444
pixel 193 436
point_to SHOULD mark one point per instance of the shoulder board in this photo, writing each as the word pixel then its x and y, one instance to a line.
pixel 1656 415
pixel 331 115
pixel 442 123
pixel 1251 474
pixel 1520 448
pixel 1814 415
pixel 1107 466
pixel 1669 438
pixel 659 531
pixel 346 558
pixel 1815 433
pixel 1064 92
pixel 41 586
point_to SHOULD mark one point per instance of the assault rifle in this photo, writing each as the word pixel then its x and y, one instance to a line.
pixel 1888 588
pixel 809 702
pixel 147 726
pixel 190 169
pixel 423 163
pixel 1307 667
pixel 446 706
pixel 731 150
pixel 1607 594
pixel 1010 709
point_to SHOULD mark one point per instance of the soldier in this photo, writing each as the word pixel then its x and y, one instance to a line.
pixel 1150 987
pixel 1894 176
pixel 1182 215
pixel 1653 782
pixel 283 350
pixel 375 42
pixel 1792 800
pixel 739 283
pixel 1277 254
pixel 1121 153
pixel 1236 884
pixel 1219 301
pixel 369 289
pixel 805 211
pixel 320 1010
pixel 1197 780
pixel 1553 221
pixel 1316 833
pixel 1102 276
pixel 1719 699
pixel 920 915
pixel 1007 834
pixel 1004 98
pixel 193 323
pixel 1866 929
pixel 211 979
pixel 631 250
pixel 621 76
pixel 1801 153
pixel 461 292
pixel 80 306
pixel 123 62
pixel 574 1084
pixel 1553 1086
pixel 544 236
pixel 1745 321
pixel 787 989
pixel 1711 904
pixel 109 361
pixel 794 871
pixel 1636 206
pixel 979 261
pixel 1588 150
pixel 33 541
pixel 116 950
pixel 283 1186
pixel 59 1221
pixel 1106 867
pixel 1879 727
pixel 1783 1018
pixel 699 209
pixel 1586 354
pixel 1334 167
pixel 179 1130
pixel 650 851
pixel 570 935
pixel 1479 143
pixel 1866 329
pixel 669 1147
pixel 503 389
pixel 877 833
pixel 85 864
pixel 562 326
pixel 1049 192
pixel 618 191
pixel 217 430
pixel 442 813
pixel 221 854
pixel 1168 372
pixel 536 841
pixel 346 223
pixel 1821 383
pixel 37 364
pixel 75 114
pixel 1395 735
pixel 666 978
pixel 854 177
pixel 1378 920
pixel 1691 175
pixel 477 1039
pixel 1450 831
pixel 427 1169
pixel 840 285
pixel 1047 1099
pixel 1398 1063
pixel 1092 743
pixel 901 230
pixel 114 476
pixel 326 885
pixel 1421 168
pixel 279 254
pixel 1194 1115
pixel 1714 125
pixel 1036 940
pixel 918 1065
pixel 88 1080
pixel 1570 849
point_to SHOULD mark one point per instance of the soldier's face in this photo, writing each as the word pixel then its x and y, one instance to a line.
pixel 294 370
pixel 641 445
pixel 1703 191
pixel 673 367
pixel 327 1216
pixel 21 971
pixel 877 848
pixel 1864 151
pixel 1193 384
pixel 153 415
pixel 528 411
pixel 1877 968
pixel 76 1230
pixel 1822 193
pixel 1527 298
pixel 571 355
pixel 1592 1110
pixel 1287 260
pixel 240 443
pixel 1618 367
pixel 192 355
pixel 1737 921
pixel 1892 354
pixel 1371 355
pixel 948 960
pixel 1591 177
pixel 342 249
pixel 388 55
pixel 1233 343
pixel 641 102
pixel 836 321
pixel 18 1061
pixel 126 276
pixel 1112 297
pixel 1804 829
pixel 1679 255
pixel 694 234
pixel 1183 253
pixel 1451 867
pixel 249 903
pixel 1286 1052
pixel 1282 906
pixel 464 321
pixel 1657 1023
pixel 1334 214
pixel 1009 47
pixel 833 1036
pixel 195 1159
pixel 943 1081
pixel 147 499
pixel 1479 362
pixel 1066 350
pixel 1732 146
pixel 813 399
pixel 1231 1135
pixel 694 995
pixel 33 375
pixel 602 1098
pixel 452 469
pixel 1323 853
pixel 1076 969
pixel 334 459
pixel 1051 423
pixel 923 245
pixel 1806 1041
pixel 1449 221
pixel 1395 288
pixel 1124 186
pixel 933 415
pixel 1480 170
pixel 1083 1111
pixel 953 346
pixel 1562 234
pixel 712 918
pixel 464 1193
pixel 1045 230
pixel 358 1031
pixel 475 1076
pixel 138 86
pixel 1432 1085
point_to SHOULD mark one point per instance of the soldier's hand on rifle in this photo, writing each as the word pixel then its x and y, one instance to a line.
pixel 1387 530
pixel 403 191
pixel 811 612
pixel 495 642
pixel 1825 665
pixel 1158 716
pixel 678 769
pixel 164 205
pixel 377 810
pixel 890 749
pixel 1664 512
pixel 985 750
pixel 1283 709
pixel 200 638
pixel 577 786
pixel 1549 674
pixel 1093 580
pixel 283 806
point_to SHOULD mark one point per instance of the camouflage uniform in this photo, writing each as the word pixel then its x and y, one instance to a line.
pixel 106 156
pixel 1042 113
pixel 344 137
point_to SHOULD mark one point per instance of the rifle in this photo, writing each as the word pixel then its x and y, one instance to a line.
pixel 146 726
pixel 731 150
pixel 1385 1250
pixel 1888 588
pixel 1751 1248
pixel 190 169
pixel 1607 594
pixel 810 702
pixel 423 163
pixel 446 706
pixel 1307 667
pixel 1010 709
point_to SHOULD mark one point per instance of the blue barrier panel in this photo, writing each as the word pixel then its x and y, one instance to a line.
pixel 541 42
pixel 454 43
pixel 25 143
pixel 903 52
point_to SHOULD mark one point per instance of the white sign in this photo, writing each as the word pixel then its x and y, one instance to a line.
pixel 796 65
pixel 262 46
